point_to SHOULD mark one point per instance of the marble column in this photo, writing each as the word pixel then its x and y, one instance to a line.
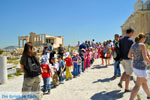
pixel 44 38
pixel 18 42
pixel 42 41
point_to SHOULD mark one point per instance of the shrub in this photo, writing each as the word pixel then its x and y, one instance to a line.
pixel 9 76
pixel 1 51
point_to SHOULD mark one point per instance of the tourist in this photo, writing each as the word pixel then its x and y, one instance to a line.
pixel 78 49
pixel 68 61
pixel 46 73
pixel 93 43
pixel 55 67
pixel 117 57
pixel 87 45
pixel 87 58
pixel 78 44
pixel 91 55
pixel 82 46
pixel 32 70
pixel 45 50
pixel 140 57
pixel 79 63
pixel 52 52
pixel 61 51
pixel 105 51
pixel 82 57
pixel 62 68
pixel 96 55
pixel 75 65
pixel 109 52
pixel 125 43
pixel 101 53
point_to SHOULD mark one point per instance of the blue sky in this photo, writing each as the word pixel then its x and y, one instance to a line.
pixel 76 20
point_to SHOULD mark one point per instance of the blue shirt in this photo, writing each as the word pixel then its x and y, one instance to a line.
pixel 75 59
pixel 125 45
pixel 82 46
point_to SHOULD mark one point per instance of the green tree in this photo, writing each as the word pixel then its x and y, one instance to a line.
pixel 1 51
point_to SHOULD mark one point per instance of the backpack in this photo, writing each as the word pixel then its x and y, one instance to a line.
pixel 116 52
pixel 60 50
pixel 32 67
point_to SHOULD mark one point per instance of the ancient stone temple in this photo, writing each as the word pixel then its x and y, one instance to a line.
pixel 40 39
pixel 139 20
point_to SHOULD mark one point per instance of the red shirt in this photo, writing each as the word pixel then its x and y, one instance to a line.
pixel 68 61
pixel 45 71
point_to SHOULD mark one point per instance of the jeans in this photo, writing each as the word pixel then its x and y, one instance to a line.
pixel 82 66
pixel 75 70
pixel 46 84
pixel 78 69
pixel 117 71
pixel 60 76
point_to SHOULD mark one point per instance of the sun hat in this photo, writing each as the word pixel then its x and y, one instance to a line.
pixel 67 54
pixel 43 60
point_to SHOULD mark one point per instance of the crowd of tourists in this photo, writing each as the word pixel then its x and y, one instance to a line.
pixel 63 66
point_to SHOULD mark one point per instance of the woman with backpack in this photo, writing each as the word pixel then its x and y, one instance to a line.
pixel 32 70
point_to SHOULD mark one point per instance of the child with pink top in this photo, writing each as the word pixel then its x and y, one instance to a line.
pixel 88 58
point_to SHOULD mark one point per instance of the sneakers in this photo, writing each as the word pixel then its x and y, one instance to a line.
pixel 47 92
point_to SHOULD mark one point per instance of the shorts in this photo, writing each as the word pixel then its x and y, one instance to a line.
pixel 140 73
pixel 127 65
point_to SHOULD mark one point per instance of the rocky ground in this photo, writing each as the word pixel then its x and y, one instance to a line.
pixel 95 84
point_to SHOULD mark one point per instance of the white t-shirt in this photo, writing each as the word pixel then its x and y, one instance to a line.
pixel 56 65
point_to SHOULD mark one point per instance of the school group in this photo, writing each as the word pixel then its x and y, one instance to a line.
pixel 133 56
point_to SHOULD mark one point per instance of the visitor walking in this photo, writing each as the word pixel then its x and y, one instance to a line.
pixel 61 69
pixel 117 57
pixel 105 52
pixel 45 50
pixel 46 74
pixel 52 52
pixel 83 59
pixel 125 44
pixel 140 58
pixel 68 61
pixel 61 51
pixel 75 65
pixel 55 67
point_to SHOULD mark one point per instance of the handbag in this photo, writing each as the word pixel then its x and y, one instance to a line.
pixel 32 67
